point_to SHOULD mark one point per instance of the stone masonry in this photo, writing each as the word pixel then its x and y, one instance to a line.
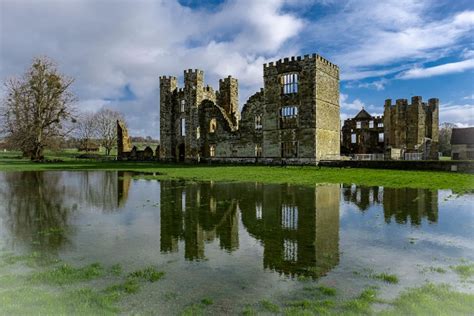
pixel 293 119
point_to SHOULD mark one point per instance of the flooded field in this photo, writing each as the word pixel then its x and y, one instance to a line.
pixel 138 246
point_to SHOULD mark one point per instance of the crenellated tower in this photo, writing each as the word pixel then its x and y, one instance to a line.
pixel 168 87
pixel 228 97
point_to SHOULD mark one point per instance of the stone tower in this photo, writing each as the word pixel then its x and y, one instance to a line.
pixel 301 115
pixel 412 128
pixel 228 97
pixel 168 86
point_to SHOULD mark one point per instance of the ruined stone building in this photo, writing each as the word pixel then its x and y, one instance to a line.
pixel 293 119
pixel 412 128
pixel 405 131
pixel 363 134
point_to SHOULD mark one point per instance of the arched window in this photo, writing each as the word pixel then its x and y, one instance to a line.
pixel 212 125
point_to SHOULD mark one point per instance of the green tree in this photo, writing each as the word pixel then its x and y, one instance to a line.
pixel 445 131
pixel 36 108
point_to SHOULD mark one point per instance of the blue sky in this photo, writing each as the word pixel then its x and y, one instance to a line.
pixel 116 50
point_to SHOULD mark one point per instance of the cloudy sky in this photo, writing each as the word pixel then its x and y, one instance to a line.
pixel 117 49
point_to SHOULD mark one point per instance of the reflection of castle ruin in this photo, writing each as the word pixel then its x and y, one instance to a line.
pixel 402 205
pixel 193 213
pixel 299 227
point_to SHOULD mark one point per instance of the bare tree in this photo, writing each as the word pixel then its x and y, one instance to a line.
pixel 86 129
pixel 445 131
pixel 106 120
pixel 36 107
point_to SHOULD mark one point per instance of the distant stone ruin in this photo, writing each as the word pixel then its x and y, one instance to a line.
pixel 125 151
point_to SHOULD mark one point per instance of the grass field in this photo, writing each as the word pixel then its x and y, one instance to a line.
pixel 307 175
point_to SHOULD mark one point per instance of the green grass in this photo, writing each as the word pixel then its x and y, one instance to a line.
pixel 66 274
pixel 389 278
pixel 303 175
pixel 149 274
pixel 432 300
pixel 465 271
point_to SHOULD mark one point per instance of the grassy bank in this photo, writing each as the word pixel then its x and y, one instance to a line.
pixel 459 183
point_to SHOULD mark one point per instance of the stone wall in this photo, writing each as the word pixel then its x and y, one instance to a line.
pixel 240 135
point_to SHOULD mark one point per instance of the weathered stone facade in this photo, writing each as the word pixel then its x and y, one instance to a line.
pixel 363 134
pixel 125 151
pixel 293 119
pixel 412 128
pixel 462 143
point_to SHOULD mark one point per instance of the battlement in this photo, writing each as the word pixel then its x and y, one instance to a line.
pixel 168 78
pixel 227 80
pixel 415 100
pixel 193 71
pixel 208 88
pixel 313 57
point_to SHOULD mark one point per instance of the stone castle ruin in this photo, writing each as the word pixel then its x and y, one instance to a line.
pixel 405 131
pixel 293 119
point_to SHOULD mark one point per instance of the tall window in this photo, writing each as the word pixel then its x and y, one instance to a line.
pixel 258 150
pixel 289 111
pixel 380 137
pixel 371 124
pixel 198 133
pixel 212 150
pixel 183 127
pixel 290 83
pixel 258 121
pixel 182 105
pixel 353 138
pixel 289 149
pixel 212 125
pixel 288 116
pixel 358 124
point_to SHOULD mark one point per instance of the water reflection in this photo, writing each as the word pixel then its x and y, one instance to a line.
pixel 297 227
pixel 38 205
pixel 403 205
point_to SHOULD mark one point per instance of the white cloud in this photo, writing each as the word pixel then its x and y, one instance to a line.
pixel 377 85
pixel 461 115
pixel 387 33
pixel 449 68
pixel 107 45
pixel 469 97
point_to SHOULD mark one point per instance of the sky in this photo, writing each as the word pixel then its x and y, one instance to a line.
pixel 117 49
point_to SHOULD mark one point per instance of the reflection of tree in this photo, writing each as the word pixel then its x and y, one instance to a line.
pixel 404 205
pixel 197 213
pixel 38 204
pixel 35 205
pixel 298 226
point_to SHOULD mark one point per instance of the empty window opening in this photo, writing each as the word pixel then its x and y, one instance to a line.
pixel 212 125
pixel 371 124
pixel 381 138
pixel 289 149
pixel 198 133
pixel 183 127
pixel 289 111
pixel 358 124
pixel 353 138
pixel 258 122
pixel 380 125
pixel 212 150
pixel 258 150
pixel 182 105
pixel 290 83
